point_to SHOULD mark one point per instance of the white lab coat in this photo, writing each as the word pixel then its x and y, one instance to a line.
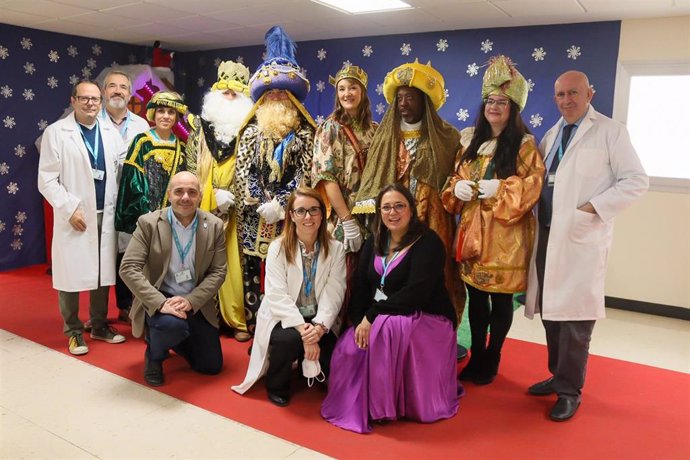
pixel 283 285
pixel 65 179
pixel 599 166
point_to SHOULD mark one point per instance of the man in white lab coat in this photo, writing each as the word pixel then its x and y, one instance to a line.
pixel 593 173
pixel 77 172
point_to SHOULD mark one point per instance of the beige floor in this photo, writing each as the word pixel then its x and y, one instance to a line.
pixel 36 381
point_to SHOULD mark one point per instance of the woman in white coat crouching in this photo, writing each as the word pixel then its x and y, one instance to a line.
pixel 305 287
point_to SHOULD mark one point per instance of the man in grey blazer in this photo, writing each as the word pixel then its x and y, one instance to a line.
pixel 174 266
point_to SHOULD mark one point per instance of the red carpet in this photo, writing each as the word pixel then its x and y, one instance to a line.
pixel 629 411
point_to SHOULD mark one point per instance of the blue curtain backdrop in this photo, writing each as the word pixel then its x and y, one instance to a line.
pixel 36 70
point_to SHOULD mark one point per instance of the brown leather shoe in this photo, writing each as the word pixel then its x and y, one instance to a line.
pixel 242 336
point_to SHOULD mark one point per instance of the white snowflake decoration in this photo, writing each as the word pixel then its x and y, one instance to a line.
pixel 442 45
pixel 86 72
pixel 12 188
pixel 5 91
pixel 4 52
pixel 321 54
pixel 2 226
pixel 217 61
pixel 462 114
pixel 20 217
pixel 96 49
pixel 16 244
pixel 200 82
pixel 380 108
pixel 52 82
pixel 573 52
pixel 239 60
pixel 530 85
pixel 487 45
pixel 405 49
pixel 17 230
pixel 28 94
pixel 9 122
pixel 53 56
pixel 42 124
pixel 367 51
pixel 263 56
pixel 132 58
pixel 91 63
pixel 114 64
pixel 72 51
pixel 347 63
pixel 73 79
pixel 29 68
pixel 538 54
pixel 446 93
pixel 26 43
pixel 535 120
pixel 319 119
pixel 320 86
pixel 379 89
pixel 472 69
pixel 4 168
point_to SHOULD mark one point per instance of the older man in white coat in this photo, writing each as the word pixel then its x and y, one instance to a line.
pixel 77 173
pixel 593 173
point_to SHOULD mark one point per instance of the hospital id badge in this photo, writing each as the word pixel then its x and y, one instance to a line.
pixel 98 174
pixel 551 179
pixel 184 275
pixel 308 311
pixel 380 295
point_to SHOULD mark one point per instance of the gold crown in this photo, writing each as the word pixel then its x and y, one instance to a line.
pixel 350 71
pixel 420 76
pixel 503 79
pixel 232 75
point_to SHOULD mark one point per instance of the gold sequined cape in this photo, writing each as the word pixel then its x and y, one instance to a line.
pixel 507 225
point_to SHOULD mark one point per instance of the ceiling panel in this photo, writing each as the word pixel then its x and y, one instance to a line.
pixel 44 8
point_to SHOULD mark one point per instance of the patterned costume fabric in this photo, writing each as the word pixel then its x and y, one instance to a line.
pixel 146 172
pixel 507 225
pixel 335 160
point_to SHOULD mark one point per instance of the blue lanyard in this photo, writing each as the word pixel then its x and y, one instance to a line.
pixel 183 252
pixel 386 266
pixel 560 153
pixel 121 128
pixel 94 150
pixel 309 280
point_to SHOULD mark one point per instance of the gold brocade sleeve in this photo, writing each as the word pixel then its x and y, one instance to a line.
pixel 518 194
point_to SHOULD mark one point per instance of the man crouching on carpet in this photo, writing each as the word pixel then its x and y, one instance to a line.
pixel 174 266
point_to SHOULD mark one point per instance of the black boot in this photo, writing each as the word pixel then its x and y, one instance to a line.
pixel 488 369
pixel 471 370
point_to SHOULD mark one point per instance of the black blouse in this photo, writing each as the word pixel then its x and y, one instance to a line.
pixel 416 284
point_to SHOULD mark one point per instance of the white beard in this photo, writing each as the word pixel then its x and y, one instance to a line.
pixel 117 103
pixel 225 115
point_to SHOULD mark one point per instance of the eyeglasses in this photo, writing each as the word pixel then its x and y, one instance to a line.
pixel 87 99
pixel 399 207
pixel 302 212
pixel 501 103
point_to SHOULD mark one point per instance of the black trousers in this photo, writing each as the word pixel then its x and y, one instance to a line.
pixel 567 341
pixel 498 315
pixel 286 347
pixel 123 295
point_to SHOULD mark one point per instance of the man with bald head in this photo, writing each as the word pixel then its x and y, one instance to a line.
pixel 593 173
pixel 174 266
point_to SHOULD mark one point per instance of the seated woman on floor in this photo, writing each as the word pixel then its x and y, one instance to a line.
pixel 399 358
pixel 305 287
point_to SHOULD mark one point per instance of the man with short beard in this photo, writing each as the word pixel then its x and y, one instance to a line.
pixel 117 91
pixel 211 156
pixel 273 158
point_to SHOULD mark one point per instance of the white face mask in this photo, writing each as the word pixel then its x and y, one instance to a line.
pixel 312 371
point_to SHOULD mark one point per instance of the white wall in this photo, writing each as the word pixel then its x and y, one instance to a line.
pixel 650 257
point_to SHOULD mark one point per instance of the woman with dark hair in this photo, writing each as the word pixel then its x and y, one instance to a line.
pixel 498 181
pixel 341 144
pixel 304 290
pixel 399 357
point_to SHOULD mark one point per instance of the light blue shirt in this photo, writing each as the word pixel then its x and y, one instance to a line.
pixel 557 143
pixel 184 234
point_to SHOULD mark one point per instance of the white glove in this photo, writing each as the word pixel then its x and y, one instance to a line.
pixel 488 188
pixel 224 199
pixel 463 190
pixel 353 237
pixel 272 211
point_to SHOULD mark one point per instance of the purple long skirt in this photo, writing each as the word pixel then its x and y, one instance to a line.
pixel 408 371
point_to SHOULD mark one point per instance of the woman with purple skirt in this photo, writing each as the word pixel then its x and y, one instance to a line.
pixel 398 360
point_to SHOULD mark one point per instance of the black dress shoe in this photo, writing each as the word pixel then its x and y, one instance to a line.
pixel 461 352
pixel 153 372
pixel 278 400
pixel 543 388
pixel 564 409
